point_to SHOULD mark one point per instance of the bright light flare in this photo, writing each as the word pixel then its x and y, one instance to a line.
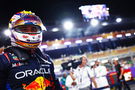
pixel 99 38
pixel 104 24
pixel 67 43
pixel 43 46
pixel 55 29
pixel 68 25
pixel 56 45
pixel 94 22
pixel 119 35
pixel 89 40
pixel 118 20
pixel 109 37
pixel 78 41
pixel 128 34
pixel 7 32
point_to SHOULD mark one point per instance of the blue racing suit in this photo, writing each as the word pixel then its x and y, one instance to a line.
pixel 27 70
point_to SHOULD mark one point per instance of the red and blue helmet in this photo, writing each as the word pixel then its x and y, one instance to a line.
pixel 25 39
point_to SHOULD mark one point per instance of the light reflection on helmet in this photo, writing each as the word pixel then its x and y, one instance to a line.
pixel 25 40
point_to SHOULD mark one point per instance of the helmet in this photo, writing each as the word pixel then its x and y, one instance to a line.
pixel 26 30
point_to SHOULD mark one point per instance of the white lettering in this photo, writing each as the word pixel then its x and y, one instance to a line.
pixel 20 75
pixel 27 73
pixel 36 72
pixel 44 71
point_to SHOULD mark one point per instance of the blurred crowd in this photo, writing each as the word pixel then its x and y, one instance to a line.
pixel 86 77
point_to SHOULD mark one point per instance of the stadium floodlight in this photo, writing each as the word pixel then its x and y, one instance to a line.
pixel 7 32
pixel 89 40
pixel 109 37
pixel 99 38
pixel 43 46
pixel 119 35
pixel 56 45
pixel 67 43
pixel 55 29
pixel 118 20
pixel 68 25
pixel 78 41
pixel 128 34
pixel 104 24
pixel 94 22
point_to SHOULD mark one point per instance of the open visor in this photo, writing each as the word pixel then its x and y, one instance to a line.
pixel 28 29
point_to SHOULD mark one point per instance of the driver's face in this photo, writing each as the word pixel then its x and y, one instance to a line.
pixel 28 29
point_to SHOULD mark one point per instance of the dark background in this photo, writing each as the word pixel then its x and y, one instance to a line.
pixel 53 12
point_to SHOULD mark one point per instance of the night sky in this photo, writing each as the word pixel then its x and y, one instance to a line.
pixel 52 12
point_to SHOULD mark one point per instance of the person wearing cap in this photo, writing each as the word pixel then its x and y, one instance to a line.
pixel 63 81
pixel 120 76
pixel 22 65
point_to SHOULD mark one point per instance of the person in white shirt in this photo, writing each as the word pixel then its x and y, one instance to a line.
pixel 83 75
pixel 100 73
pixel 71 83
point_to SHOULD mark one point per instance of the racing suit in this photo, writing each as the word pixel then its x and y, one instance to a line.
pixel 27 70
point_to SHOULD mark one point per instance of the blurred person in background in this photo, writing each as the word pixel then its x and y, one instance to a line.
pixel 83 75
pixel 22 65
pixel 63 81
pixel 100 73
pixel 121 80
pixel 71 82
